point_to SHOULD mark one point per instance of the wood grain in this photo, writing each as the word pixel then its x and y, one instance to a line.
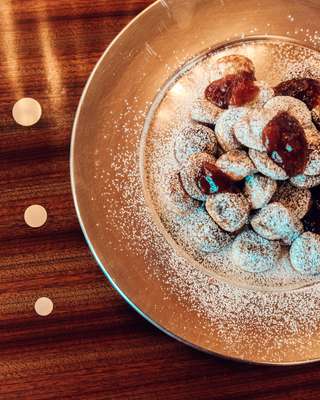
pixel 93 345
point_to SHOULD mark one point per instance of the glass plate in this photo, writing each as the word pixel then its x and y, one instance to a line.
pixel 117 214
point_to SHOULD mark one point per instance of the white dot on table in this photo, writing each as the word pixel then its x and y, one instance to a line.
pixel 35 216
pixel 43 306
pixel 26 111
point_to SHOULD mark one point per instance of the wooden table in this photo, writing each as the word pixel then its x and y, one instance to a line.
pixel 93 345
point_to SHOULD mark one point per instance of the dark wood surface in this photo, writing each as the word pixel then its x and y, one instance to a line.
pixel 93 345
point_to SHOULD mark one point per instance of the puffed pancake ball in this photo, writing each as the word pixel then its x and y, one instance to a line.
pixel 193 139
pixel 205 112
pixel 297 200
pixel 175 198
pixel 259 190
pixel 266 166
pixel 315 114
pixel 229 210
pixel 276 222
pixel 249 129
pixel 265 94
pixel 191 170
pixel 234 64
pixel 313 165
pixel 236 164
pixel 305 253
pixel 296 108
pixel 253 253
pixel 204 234
pixel 304 181
pixel 224 128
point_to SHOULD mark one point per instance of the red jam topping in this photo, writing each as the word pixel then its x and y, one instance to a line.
pixel 235 90
pixel 286 143
pixel 304 89
pixel 311 221
pixel 212 180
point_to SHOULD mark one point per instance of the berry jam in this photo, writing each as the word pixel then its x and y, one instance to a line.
pixel 286 143
pixel 311 220
pixel 235 90
pixel 212 180
pixel 304 89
